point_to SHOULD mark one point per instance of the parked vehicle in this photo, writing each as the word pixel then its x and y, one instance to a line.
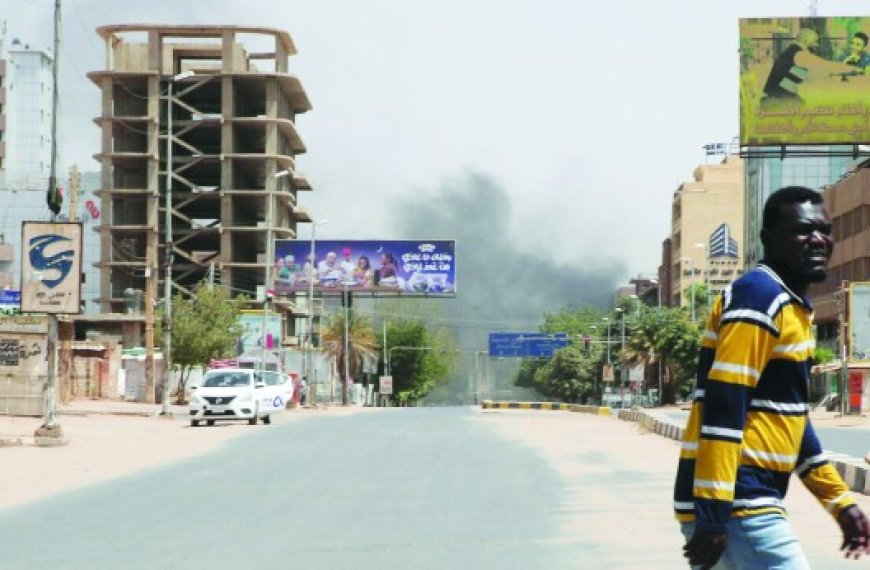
pixel 239 394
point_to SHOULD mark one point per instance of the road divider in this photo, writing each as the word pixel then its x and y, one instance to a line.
pixel 502 405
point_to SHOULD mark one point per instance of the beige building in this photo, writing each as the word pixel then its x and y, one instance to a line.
pixel 706 242
pixel 208 112
pixel 848 204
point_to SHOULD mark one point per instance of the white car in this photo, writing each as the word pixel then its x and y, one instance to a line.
pixel 239 394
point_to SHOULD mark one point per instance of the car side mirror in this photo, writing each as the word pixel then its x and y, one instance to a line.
pixel 194 387
pixel 259 385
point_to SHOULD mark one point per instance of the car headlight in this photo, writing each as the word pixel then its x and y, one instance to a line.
pixel 196 400
pixel 246 397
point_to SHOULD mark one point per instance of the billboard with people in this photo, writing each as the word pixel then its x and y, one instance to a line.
pixel 391 267
pixel 804 81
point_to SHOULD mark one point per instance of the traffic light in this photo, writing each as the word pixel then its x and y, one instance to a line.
pixel 587 343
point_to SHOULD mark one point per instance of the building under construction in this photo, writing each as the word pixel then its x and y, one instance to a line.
pixel 199 121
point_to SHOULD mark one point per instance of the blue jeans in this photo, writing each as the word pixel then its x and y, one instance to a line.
pixel 762 542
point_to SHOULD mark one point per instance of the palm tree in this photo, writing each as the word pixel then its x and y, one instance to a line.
pixel 668 337
pixel 362 343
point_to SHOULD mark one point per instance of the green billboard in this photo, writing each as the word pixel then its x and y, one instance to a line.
pixel 804 81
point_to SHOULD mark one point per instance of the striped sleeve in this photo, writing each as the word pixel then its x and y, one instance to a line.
pixel 819 476
pixel 744 345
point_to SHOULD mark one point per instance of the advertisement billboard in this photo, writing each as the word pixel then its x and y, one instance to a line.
pixel 859 317
pixel 804 81
pixel 379 267
pixel 252 333
pixel 51 267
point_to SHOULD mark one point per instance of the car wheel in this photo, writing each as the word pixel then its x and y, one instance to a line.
pixel 209 422
pixel 267 420
pixel 194 423
pixel 253 420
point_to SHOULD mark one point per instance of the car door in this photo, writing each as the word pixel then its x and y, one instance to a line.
pixel 270 396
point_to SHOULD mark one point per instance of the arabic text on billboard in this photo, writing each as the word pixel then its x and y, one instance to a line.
pixel 804 81
pixel 408 267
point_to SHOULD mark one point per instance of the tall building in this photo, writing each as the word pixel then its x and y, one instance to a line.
pixel 224 97
pixel 25 146
pixel 767 171
pixel 706 230
pixel 848 204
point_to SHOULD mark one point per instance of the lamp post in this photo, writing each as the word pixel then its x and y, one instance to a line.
pixel 691 284
pixel 167 285
pixel 309 344
pixel 622 345
pixel 703 247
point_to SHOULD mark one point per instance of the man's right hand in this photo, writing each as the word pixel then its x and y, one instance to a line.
pixel 856 531
pixel 705 548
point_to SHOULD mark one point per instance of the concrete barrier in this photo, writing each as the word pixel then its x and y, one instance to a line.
pixel 495 405
pixel 854 471
pixel 501 405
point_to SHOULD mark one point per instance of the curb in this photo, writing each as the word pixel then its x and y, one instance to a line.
pixel 32 441
pixel 854 471
pixel 559 406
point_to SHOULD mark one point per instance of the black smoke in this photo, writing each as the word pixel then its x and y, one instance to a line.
pixel 507 278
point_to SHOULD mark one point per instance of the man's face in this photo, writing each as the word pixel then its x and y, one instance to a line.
pixel 801 242
pixel 856 45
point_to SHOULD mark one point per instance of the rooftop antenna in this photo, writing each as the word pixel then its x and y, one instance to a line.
pixel 814 8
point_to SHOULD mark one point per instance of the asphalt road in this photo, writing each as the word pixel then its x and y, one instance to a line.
pixel 421 488
pixel 400 488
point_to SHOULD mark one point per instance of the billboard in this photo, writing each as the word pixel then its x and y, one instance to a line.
pixel 804 81
pixel 252 332
pixel 10 302
pixel 51 267
pixel 526 344
pixel 859 317
pixel 406 267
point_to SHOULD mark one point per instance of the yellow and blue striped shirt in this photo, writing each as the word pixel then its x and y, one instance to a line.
pixel 749 427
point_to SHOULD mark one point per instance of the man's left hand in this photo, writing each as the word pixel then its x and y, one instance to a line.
pixel 856 531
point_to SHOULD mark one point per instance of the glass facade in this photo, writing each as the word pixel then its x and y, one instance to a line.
pixel 767 172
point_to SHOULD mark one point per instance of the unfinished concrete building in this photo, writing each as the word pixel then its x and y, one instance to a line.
pixel 200 119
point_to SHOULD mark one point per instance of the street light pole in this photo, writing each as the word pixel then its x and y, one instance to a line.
pixel 703 247
pixel 309 344
pixel 691 284
pixel 169 246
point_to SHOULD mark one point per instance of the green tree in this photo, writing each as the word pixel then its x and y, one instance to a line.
pixel 573 374
pixel 362 344
pixel 823 355
pixel 204 326
pixel 420 358
pixel 666 336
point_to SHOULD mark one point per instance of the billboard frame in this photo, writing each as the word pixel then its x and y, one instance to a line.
pixel 427 272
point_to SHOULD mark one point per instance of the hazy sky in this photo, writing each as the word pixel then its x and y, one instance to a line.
pixel 586 115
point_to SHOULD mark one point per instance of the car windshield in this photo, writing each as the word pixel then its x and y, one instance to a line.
pixel 226 379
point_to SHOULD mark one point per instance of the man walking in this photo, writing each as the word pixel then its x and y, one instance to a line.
pixel 749 427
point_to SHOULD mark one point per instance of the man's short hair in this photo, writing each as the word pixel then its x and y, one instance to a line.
pixel 784 197
pixel 863 37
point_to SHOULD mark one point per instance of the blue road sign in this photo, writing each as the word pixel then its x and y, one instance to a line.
pixel 526 344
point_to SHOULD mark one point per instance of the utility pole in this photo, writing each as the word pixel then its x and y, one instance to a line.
pixel 50 428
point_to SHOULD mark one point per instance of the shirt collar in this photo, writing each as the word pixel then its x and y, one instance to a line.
pixel 805 301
